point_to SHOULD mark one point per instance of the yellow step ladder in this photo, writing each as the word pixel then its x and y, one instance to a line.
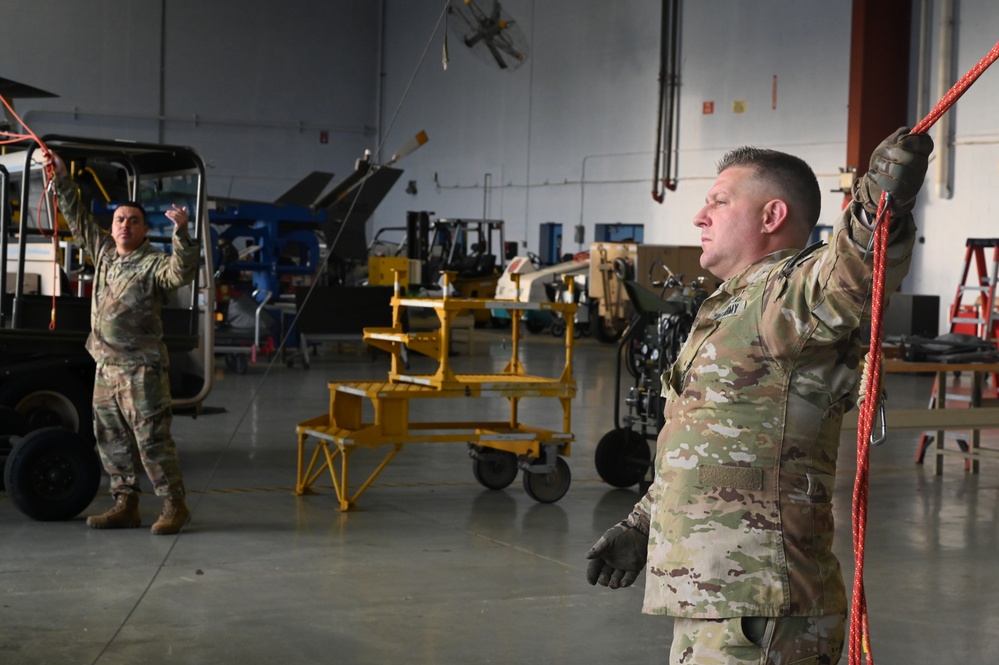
pixel 498 449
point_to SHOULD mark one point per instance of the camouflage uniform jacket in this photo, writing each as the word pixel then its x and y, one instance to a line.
pixel 740 514
pixel 129 291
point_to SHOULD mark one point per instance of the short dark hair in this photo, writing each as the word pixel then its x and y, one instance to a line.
pixel 791 175
pixel 134 204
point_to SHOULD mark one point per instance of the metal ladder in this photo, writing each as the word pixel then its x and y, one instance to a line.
pixel 984 306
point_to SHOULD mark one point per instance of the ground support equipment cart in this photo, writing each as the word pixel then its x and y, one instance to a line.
pixel 498 449
pixel 649 345
pixel 240 345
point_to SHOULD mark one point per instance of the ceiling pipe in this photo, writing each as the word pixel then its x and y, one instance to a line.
pixel 667 115
pixel 945 76
pixel 201 120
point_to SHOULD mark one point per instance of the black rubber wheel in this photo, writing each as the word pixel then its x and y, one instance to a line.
pixel 242 364
pixel 548 487
pixel 606 332
pixel 237 362
pixel 496 470
pixel 534 326
pixel 622 457
pixel 51 400
pixel 558 328
pixel 52 474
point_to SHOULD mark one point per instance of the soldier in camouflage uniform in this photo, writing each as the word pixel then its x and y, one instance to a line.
pixel 132 413
pixel 737 527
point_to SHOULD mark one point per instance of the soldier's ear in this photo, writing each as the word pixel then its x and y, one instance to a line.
pixel 774 215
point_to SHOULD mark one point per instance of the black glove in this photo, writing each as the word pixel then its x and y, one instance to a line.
pixel 618 557
pixel 898 167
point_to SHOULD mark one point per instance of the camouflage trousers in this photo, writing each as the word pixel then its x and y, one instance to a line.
pixel 758 641
pixel 132 420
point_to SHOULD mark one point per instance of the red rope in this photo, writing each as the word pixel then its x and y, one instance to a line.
pixel 11 138
pixel 859 643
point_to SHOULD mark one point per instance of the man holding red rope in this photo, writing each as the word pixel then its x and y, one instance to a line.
pixel 736 530
pixel 132 414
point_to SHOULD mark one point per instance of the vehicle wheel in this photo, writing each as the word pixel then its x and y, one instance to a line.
pixel 622 457
pixel 548 487
pixel 605 331
pixel 50 400
pixel 496 470
pixel 534 326
pixel 52 474
pixel 558 328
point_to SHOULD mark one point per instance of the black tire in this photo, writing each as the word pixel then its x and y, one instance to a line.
pixel 622 457
pixel 534 326
pixel 548 487
pixel 51 400
pixel 241 363
pixel 496 469
pixel 52 474
pixel 606 332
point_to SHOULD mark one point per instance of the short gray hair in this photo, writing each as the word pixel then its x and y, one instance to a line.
pixel 792 177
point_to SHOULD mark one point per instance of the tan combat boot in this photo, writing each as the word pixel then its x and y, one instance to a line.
pixel 174 516
pixel 123 515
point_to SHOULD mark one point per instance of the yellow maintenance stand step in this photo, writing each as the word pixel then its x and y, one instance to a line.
pixel 498 449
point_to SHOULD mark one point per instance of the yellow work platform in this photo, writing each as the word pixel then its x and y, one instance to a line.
pixel 498 449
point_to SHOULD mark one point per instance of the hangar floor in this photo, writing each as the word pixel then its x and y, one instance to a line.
pixel 434 568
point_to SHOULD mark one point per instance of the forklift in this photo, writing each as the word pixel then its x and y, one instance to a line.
pixel 473 249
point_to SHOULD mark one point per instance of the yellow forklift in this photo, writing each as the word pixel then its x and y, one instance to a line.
pixel 471 249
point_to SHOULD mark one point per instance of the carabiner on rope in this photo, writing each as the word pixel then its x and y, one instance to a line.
pixel 881 438
pixel 880 218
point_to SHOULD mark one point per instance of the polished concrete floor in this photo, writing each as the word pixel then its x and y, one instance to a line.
pixel 434 568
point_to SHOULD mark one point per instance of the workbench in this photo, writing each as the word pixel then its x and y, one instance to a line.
pixel 939 418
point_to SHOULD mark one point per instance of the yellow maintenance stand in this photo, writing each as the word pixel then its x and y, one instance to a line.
pixel 498 449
